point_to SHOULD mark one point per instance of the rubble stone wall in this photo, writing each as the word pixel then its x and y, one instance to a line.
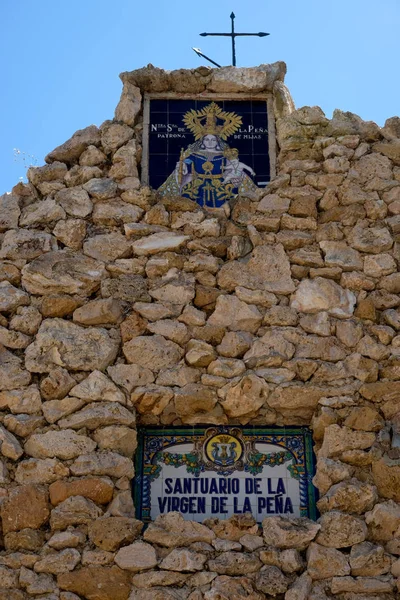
pixel 119 307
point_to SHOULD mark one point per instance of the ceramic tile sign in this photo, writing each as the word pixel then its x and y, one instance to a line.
pixel 207 472
pixel 208 151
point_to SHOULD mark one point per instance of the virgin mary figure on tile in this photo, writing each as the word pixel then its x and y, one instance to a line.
pixel 209 170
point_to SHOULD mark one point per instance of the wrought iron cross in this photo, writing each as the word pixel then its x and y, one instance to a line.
pixel 234 35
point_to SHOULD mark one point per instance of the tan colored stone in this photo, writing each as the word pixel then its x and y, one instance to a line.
pixel 9 211
pixel 133 326
pixel 26 401
pixel 129 288
pixel 366 559
pixel 234 563
pixel 313 296
pixel 136 557
pixel 40 471
pixel 66 539
pixel 107 247
pixel 54 410
pixel 154 351
pixel 151 399
pixel 102 463
pixel 296 401
pixel 171 530
pixel 75 510
pixel 350 496
pixel 30 540
pixel 100 188
pixel 339 530
pixel 109 533
pixel 58 562
pixel 100 490
pixel 63 271
pixel 25 507
pixel 199 353
pixel 283 532
pixel 364 418
pixel 233 314
pixel 41 213
pixel 115 212
pixel 386 476
pixel 70 150
pixel 97 387
pixel 268 269
pixel 97 583
pixel 323 562
pixel 171 330
pixel 120 439
pixel 65 344
pixel 26 245
pixel 130 376
pixel 9 445
pixel 246 397
pixel 64 444
pixel 182 559
pixel 12 375
pixel 338 439
pixel 23 425
pixel 59 305
pixel 75 201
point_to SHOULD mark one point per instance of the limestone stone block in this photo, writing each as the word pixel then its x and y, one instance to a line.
pixel 182 559
pixel 54 410
pixel 97 582
pixel 159 242
pixel 99 490
pixel 246 397
pixel 171 330
pixel 128 287
pixel 338 439
pixel 66 539
pixel 199 353
pixel 26 507
pixel 268 269
pixel 340 530
pixel 271 580
pixel 9 211
pixel 367 559
pixel 151 399
pixel 114 135
pixel 75 510
pixel 11 297
pixel 284 532
pixel 64 444
pixel 154 351
pixel 71 232
pixel 75 201
pixel 107 247
pixel 118 438
pixel 9 445
pixel 323 562
pixel 26 245
pixel 100 188
pixel 115 212
pixel 12 375
pixel 36 584
pixel 362 585
pixel 171 530
pixel 350 496
pixel 130 376
pixel 70 150
pixel 58 562
pixel 65 344
pixel 103 463
pixel 30 540
pixel 26 401
pixel 40 471
pixel 193 399
pixel 136 557
pixel 41 213
pixel 319 294
pixel 54 172
pixel 234 563
pixel 63 271
pixel 97 387
pixel 383 521
pixel 235 343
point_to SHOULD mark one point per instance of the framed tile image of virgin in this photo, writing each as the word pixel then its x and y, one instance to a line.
pixel 208 150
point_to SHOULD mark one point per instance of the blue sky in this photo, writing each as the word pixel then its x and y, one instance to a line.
pixel 59 61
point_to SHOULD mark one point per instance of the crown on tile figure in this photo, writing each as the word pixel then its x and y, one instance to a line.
pixel 212 120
